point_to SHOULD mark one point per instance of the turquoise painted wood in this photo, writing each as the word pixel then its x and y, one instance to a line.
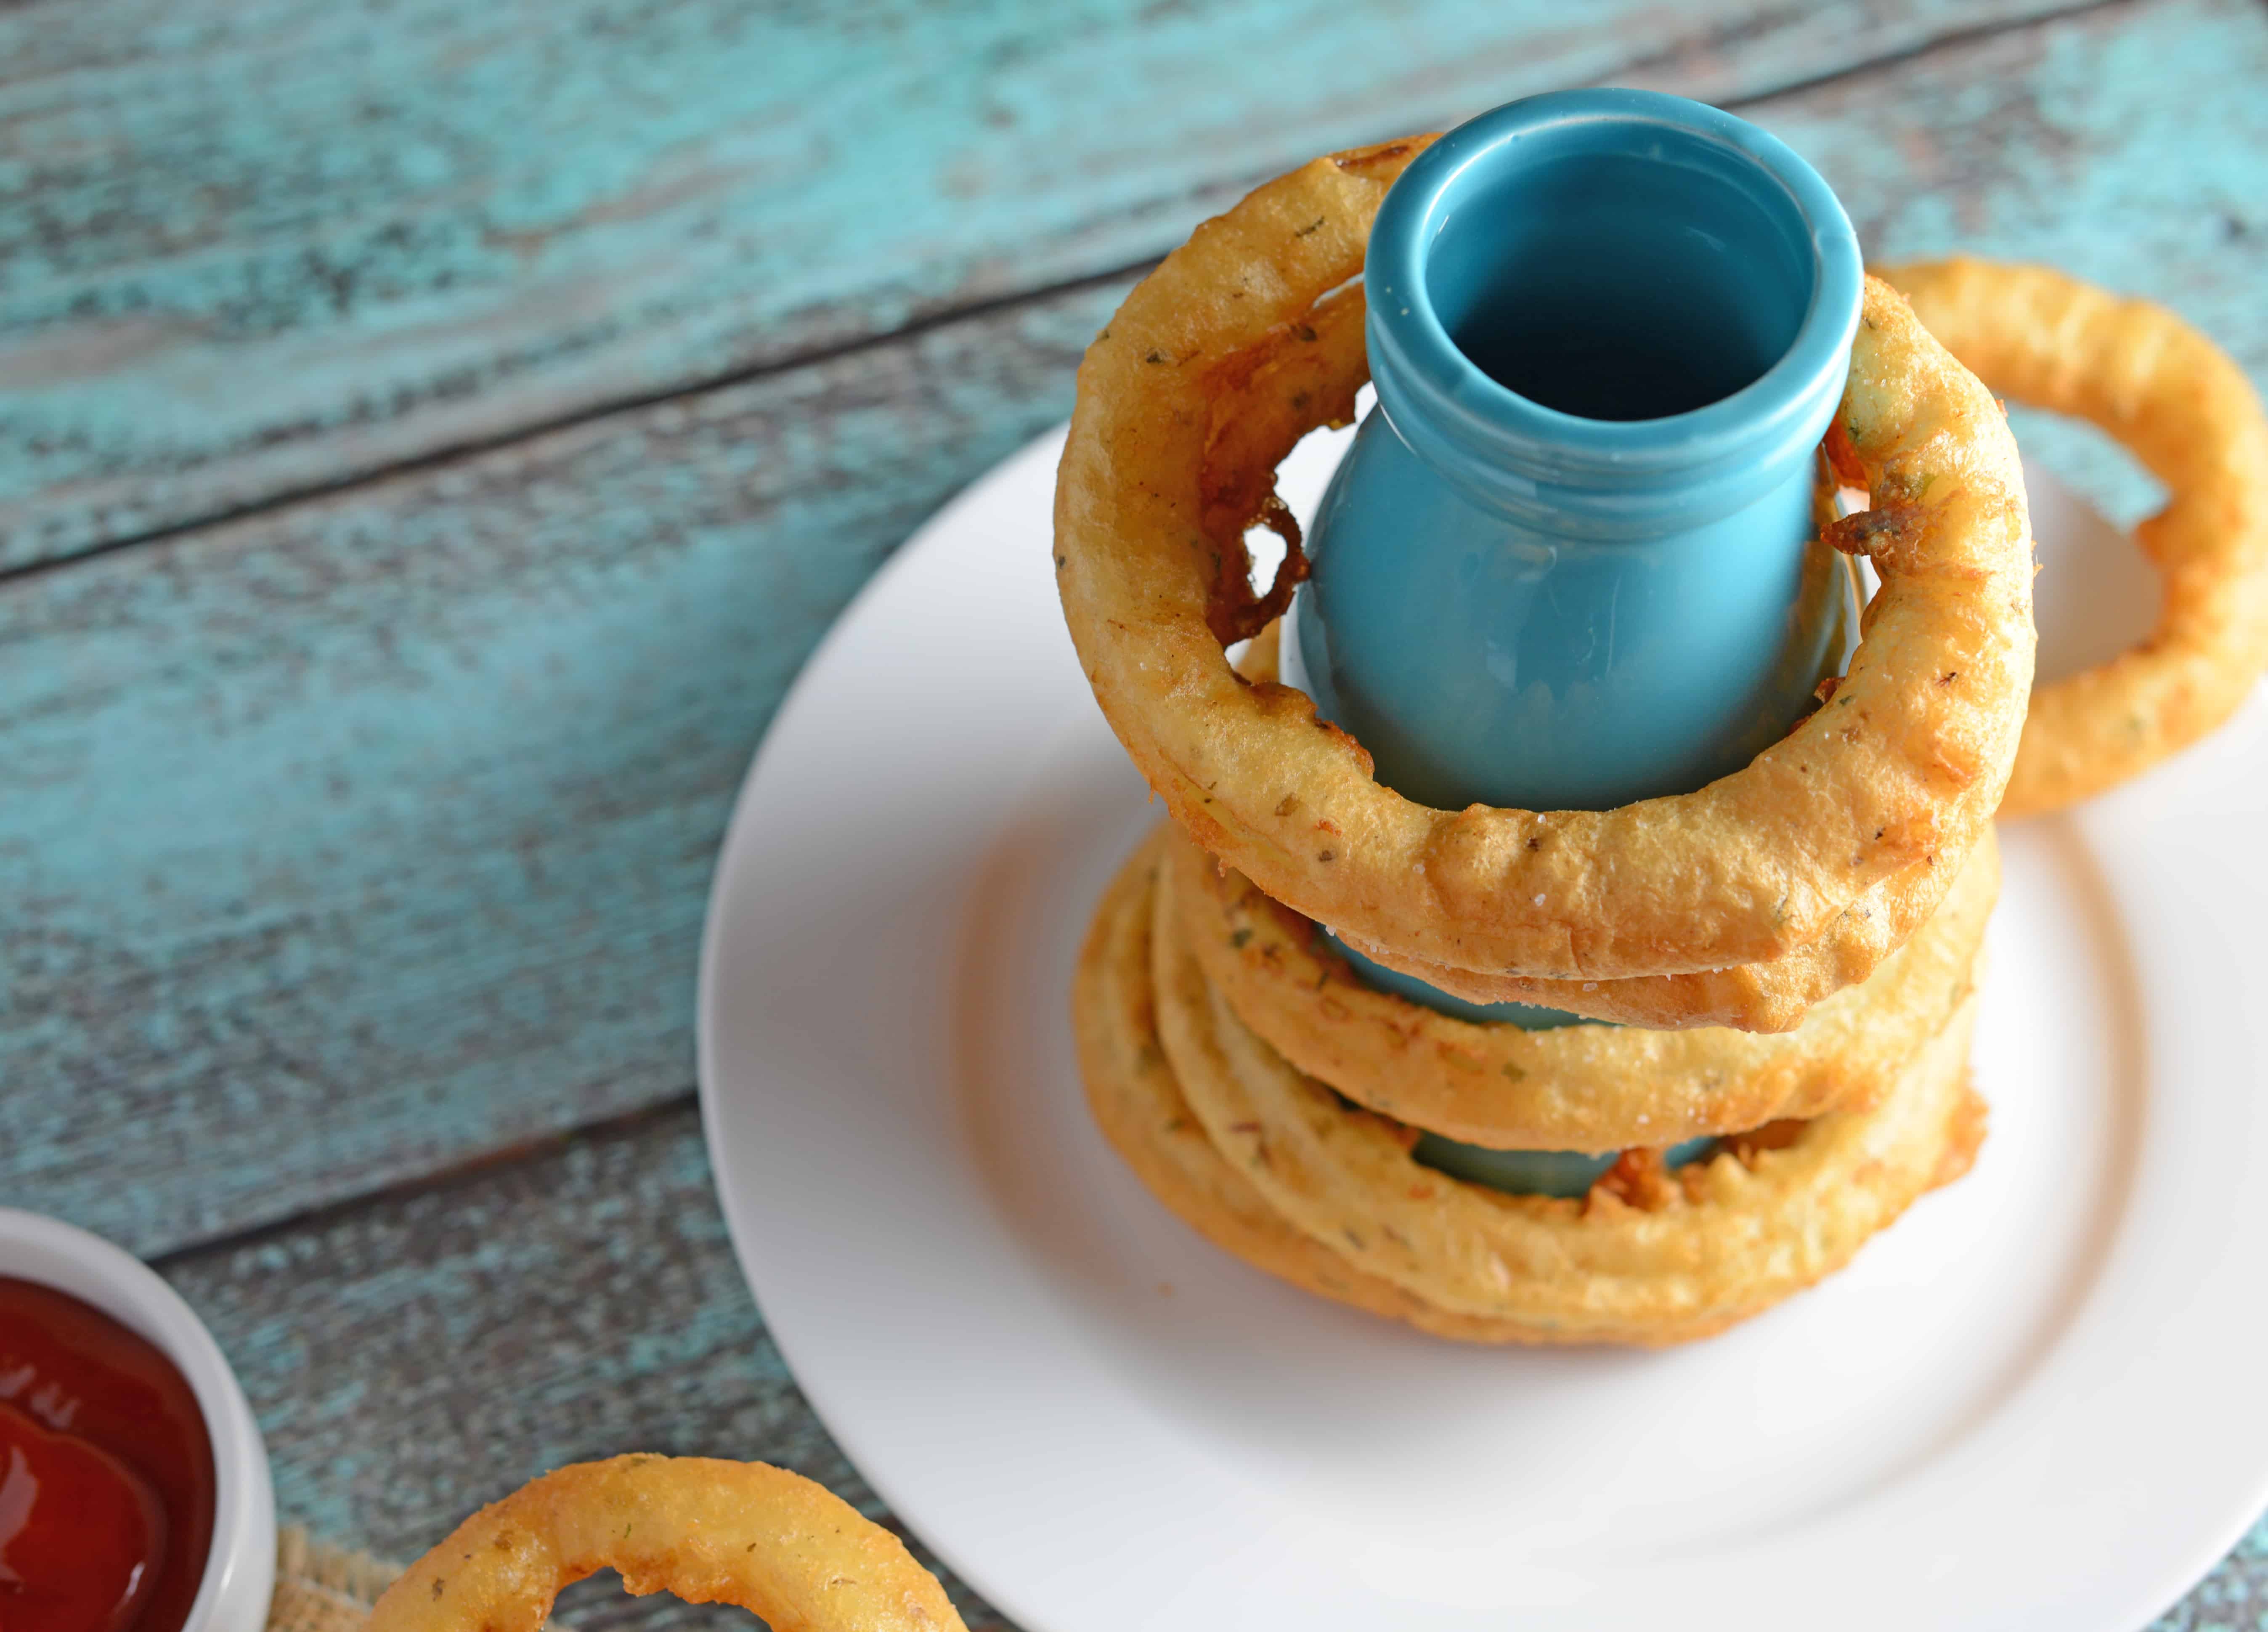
pixel 374 836
pixel 370 837
pixel 250 247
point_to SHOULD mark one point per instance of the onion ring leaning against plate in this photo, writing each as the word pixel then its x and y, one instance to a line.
pixel 1250 334
pixel 2180 405
pixel 712 1531
pixel 1594 1088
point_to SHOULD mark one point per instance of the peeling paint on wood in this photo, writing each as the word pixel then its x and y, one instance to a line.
pixel 253 247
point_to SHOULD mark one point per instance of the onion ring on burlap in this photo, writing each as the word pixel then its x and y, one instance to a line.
pixel 710 1532
pixel 2181 405
pixel 1721 1239
pixel 1244 339
pixel 1593 1088
pixel 1135 1101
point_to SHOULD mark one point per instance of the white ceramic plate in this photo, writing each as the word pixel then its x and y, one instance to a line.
pixel 2037 1401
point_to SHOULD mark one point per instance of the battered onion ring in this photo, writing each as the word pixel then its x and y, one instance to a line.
pixel 1237 343
pixel 2175 400
pixel 1578 1087
pixel 732 1533
pixel 1138 1107
pixel 1772 996
pixel 1729 1238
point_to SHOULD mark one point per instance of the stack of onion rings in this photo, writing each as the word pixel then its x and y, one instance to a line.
pixel 2177 402
pixel 1588 1087
pixel 1273 1166
pixel 1813 862
pixel 1834 891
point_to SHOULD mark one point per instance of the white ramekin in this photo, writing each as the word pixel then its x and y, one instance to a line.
pixel 241 1568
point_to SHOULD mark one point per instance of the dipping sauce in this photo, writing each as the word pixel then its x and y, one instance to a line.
pixel 107 1484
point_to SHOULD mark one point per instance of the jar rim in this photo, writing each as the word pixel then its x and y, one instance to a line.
pixel 1514 453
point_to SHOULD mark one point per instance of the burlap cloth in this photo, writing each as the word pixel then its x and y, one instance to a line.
pixel 321 1589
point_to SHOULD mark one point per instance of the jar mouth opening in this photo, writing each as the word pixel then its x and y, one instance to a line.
pixel 1617 286
pixel 1621 275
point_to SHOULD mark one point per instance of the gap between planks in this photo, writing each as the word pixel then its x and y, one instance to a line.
pixel 475 447
pixel 454 1176
pixel 1637 71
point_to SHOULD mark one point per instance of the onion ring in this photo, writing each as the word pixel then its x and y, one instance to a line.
pixel 1907 763
pixel 733 1532
pixel 1723 1239
pixel 1591 1088
pixel 1772 996
pixel 2181 405
pixel 1137 1104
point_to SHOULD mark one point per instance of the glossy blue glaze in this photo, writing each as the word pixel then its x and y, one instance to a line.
pixel 1569 562
pixel 1569 1173
pixel 1516 598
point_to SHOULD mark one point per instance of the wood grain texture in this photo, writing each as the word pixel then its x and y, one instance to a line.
pixel 372 836
pixel 254 247
pixel 415 1358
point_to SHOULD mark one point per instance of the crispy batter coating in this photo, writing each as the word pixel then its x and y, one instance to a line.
pixel 1771 996
pixel 1137 1103
pixel 710 1532
pixel 1790 1204
pixel 1722 1240
pixel 2175 400
pixel 1243 339
pixel 1576 1087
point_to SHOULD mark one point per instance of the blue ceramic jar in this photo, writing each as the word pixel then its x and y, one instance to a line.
pixel 1569 562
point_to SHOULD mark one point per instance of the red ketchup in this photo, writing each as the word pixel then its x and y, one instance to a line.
pixel 106 1473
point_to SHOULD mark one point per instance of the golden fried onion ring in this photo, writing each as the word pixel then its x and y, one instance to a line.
pixel 1772 996
pixel 1724 1238
pixel 710 1532
pixel 1139 1106
pixel 1242 340
pixel 2177 402
pixel 1578 1087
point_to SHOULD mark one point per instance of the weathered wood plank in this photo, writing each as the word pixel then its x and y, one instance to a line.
pixel 351 841
pixel 415 1358
pixel 371 835
pixel 253 247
